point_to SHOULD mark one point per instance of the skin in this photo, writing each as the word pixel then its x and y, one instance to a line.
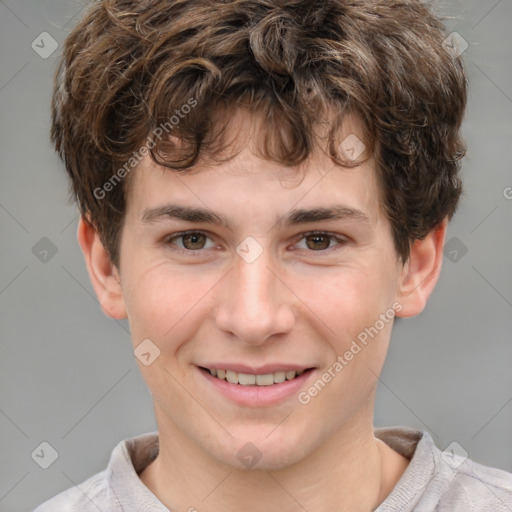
pixel 296 303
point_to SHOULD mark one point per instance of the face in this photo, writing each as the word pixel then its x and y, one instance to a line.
pixel 260 296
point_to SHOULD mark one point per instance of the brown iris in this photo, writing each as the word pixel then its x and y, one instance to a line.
pixel 193 237
pixel 317 237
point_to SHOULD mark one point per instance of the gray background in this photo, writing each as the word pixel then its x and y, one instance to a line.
pixel 67 372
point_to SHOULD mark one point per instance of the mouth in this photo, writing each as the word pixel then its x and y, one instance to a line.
pixel 265 389
pixel 248 379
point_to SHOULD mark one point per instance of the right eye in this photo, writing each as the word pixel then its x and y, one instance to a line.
pixel 195 241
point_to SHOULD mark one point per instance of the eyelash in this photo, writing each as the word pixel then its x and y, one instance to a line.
pixel 342 241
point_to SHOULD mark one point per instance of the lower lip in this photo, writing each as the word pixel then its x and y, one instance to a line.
pixel 258 396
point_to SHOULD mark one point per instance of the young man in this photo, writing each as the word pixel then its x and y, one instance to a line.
pixel 264 186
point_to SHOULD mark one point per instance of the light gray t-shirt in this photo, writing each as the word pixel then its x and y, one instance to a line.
pixel 434 481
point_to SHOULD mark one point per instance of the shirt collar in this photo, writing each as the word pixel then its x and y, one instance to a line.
pixel 128 460
pixel 419 447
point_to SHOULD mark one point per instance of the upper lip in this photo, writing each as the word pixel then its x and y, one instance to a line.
pixel 255 370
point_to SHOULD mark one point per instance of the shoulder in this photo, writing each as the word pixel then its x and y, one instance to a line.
pixel 89 496
pixel 116 488
pixel 476 487
pixel 443 481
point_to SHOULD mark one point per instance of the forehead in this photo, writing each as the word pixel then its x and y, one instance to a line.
pixel 248 186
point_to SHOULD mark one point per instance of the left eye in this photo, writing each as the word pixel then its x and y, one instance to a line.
pixel 317 241
pixel 320 240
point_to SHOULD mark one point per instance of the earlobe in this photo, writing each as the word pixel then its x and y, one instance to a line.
pixel 421 272
pixel 102 273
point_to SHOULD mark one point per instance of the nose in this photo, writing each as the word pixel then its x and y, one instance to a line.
pixel 255 303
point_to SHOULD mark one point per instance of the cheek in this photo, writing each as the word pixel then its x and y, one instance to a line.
pixel 350 306
pixel 167 306
pixel 347 301
pixel 164 303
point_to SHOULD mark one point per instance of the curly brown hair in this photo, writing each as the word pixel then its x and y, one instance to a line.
pixel 130 69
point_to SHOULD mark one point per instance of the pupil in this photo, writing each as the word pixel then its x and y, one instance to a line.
pixel 194 237
pixel 319 237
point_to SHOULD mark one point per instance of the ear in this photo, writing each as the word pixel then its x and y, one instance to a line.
pixel 103 274
pixel 421 271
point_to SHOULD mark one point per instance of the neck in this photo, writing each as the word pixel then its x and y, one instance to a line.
pixel 352 471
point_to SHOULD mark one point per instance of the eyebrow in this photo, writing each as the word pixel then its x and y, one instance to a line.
pixel 293 218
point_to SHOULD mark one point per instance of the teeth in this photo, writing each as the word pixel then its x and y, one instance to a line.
pixel 265 380
pixel 246 379
pixel 279 377
pixel 231 377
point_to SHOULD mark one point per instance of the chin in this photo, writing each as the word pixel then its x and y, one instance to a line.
pixel 263 452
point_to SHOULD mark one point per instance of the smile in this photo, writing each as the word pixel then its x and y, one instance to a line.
pixel 271 386
pixel 246 379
